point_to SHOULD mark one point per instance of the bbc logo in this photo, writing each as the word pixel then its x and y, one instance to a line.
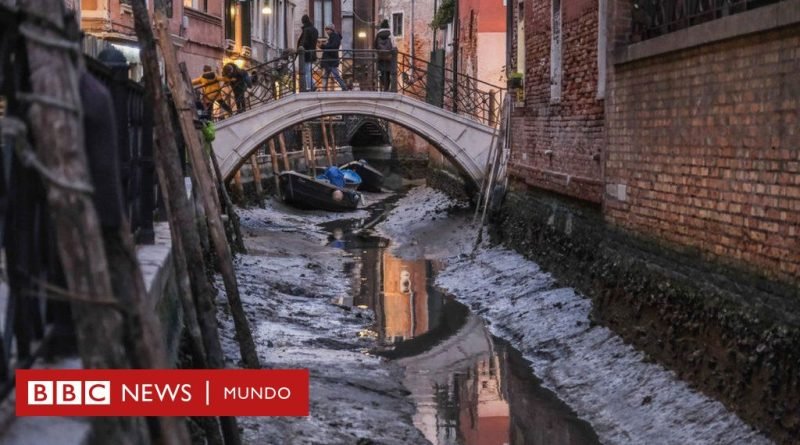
pixel 69 392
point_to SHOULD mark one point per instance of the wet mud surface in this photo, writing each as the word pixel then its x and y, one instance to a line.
pixel 414 335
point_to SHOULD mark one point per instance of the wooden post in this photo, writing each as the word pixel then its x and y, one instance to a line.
pixel 179 209
pixel 274 158
pixel 185 106
pixel 333 141
pixel 325 141
pixel 238 241
pixel 257 176
pixel 286 165
pixel 110 299
pixel 238 189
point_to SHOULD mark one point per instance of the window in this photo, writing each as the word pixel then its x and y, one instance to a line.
pixel 323 14
pixel 555 53
pixel 397 24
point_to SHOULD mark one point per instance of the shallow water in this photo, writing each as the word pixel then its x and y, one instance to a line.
pixel 469 386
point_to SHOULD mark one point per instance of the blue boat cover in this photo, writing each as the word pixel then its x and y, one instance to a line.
pixel 335 176
pixel 351 176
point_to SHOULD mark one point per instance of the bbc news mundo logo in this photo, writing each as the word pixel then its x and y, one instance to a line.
pixel 185 392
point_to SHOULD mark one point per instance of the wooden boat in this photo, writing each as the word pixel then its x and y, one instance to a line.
pixel 371 179
pixel 308 193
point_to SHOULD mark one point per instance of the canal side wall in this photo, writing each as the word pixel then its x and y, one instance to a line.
pixel 730 333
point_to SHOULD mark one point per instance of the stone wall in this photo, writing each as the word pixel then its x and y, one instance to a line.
pixel 558 137
pixel 731 334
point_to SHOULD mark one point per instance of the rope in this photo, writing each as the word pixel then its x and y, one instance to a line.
pixel 61 294
pixel 47 100
pixel 34 34
pixel 27 157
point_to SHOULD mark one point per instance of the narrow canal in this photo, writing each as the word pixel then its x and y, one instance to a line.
pixel 396 314
pixel 469 387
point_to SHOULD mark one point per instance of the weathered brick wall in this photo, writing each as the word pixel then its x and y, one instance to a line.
pixel 557 145
pixel 703 150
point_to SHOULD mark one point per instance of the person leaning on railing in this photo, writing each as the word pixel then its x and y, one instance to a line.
pixel 239 81
pixel 211 87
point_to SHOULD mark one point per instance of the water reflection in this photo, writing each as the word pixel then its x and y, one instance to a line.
pixel 469 387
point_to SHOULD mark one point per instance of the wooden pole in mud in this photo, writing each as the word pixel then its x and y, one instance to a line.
pixel 325 141
pixel 185 106
pixel 180 214
pixel 233 218
pixel 104 315
pixel 274 157
pixel 282 142
pixel 333 139
pixel 237 186
pixel 257 176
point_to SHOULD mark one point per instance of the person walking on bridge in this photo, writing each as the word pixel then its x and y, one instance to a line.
pixel 308 43
pixel 384 45
pixel 330 58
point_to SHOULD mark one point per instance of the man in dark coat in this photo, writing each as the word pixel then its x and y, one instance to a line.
pixel 330 58
pixel 308 42
pixel 385 47
pixel 238 80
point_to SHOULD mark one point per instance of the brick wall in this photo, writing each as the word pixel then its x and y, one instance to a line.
pixel 703 150
pixel 557 145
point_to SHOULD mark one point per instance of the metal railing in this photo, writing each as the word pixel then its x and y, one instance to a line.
pixel 361 70
pixel 653 18
pixel 134 126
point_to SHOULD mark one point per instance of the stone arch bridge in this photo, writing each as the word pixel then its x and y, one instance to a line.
pixel 464 137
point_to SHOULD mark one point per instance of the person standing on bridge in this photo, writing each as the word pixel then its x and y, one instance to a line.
pixel 239 81
pixel 308 43
pixel 330 58
pixel 384 45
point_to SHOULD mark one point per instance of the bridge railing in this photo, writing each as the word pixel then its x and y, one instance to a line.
pixel 362 70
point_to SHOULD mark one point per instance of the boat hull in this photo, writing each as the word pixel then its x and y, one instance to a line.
pixel 371 179
pixel 306 192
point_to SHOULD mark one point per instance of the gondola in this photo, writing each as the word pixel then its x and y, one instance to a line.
pixel 308 193
pixel 371 179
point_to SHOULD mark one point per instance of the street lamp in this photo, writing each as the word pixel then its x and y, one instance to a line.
pixel 362 35
pixel 266 10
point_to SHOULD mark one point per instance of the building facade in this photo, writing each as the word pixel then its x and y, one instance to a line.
pixel 559 122
pixel 196 26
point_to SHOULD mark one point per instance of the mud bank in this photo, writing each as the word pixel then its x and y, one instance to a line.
pixel 730 334
pixel 625 396
pixel 289 280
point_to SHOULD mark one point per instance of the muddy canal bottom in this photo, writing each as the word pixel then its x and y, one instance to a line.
pixel 469 387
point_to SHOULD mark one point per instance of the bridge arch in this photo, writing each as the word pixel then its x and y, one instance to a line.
pixel 364 127
pixel 464 141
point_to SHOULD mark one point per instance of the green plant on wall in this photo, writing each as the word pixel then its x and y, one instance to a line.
pixel 444 14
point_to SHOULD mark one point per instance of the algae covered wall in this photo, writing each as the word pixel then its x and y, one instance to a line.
pixel 732 335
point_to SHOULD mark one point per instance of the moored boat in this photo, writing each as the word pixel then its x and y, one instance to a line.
pixel 351 179
pixel 371 179
pixel 309 193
